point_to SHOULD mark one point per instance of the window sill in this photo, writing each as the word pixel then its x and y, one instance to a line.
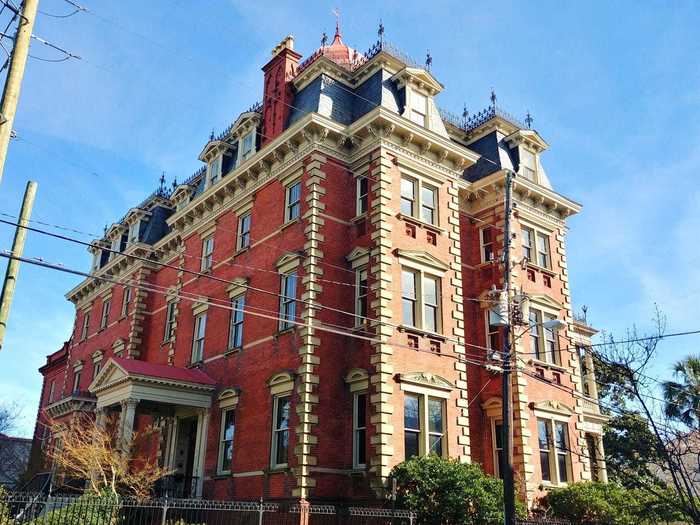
pixel 284 331
pixel 240 251
pixel 288 223
pixel 360 217
pixel 540 269
pixel 196 364
pixel 420 223
pixel 279 469
pixel 221 475
pixel 232 351
pixel 545 364
pixel 166 342
pixel 422 333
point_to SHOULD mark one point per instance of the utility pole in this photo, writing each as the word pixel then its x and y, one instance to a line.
pixel 15 73
pixel 8 286
pixel 507 402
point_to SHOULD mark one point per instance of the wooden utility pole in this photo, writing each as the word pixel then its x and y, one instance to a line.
pixel 8 285
pixel 507 401
pixel 15 73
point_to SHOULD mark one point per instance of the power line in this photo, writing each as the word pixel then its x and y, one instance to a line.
pixel 205 299
pixel 318 306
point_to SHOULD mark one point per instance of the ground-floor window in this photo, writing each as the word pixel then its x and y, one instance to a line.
pixel 280 431
pixel 424 425
pixel 555 455
pixel 228 426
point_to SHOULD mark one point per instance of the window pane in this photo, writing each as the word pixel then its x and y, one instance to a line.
pixel 543 434
pixel 428 204
pixel 282 413
pixel 361 411
pixel 409 312
pixel 435 444
pixel 408 284
pixel 435 423
pixel 430 318
pixel 229 426
pixel 430 290
pixel 361 447
pixel 498 430
pixel 282 446
pixel 544 466
pixel 560 430
pixel 411 444
pixel 407 188
pixel 411 412
pixel 227 455
pixel 563 473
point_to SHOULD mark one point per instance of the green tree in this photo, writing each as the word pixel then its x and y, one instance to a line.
pixel 682 397
pixel 447 492
pixel 590 503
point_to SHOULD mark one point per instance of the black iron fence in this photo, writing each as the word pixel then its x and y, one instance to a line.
pixel 40 509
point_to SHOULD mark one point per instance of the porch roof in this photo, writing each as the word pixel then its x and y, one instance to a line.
pixel 122 379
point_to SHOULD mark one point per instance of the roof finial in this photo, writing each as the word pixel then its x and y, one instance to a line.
pixel 428 60
pixel 493 98
pixel 175 183
pixel 211 135
pixel 465 115
pixel 380 31
pixel 336 12
pixel 528 119
pixel 324 39
pixel 162 181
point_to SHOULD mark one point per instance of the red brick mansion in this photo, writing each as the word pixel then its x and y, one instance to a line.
pixel 315 304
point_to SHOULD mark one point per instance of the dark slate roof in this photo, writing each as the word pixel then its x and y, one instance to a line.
pixel 495 155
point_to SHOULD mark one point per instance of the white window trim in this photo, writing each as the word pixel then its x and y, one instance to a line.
pixel 482 245
pixel 544 311
pixel 424 392
pixel 410 105
pixel 359 320
pixel 126 300
pixel 220 457
pixel 288 204
pixel 245 155
pixel 106 310
pixel 231 321
pixel 134 231
pixel 284 323
pixel 551 419
pixel 420 300
pixel 536 156
pixel 418 184
pixel 239 239
pixel 85 326
pixel 207 253
pixel 496 455
pixel 536 232
pixel 198 319
pixel 273 449
pixel 356 428
pixel 170 316
pixel 358 196
pixel 214 170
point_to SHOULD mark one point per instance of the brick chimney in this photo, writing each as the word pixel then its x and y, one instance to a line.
pixel 279 72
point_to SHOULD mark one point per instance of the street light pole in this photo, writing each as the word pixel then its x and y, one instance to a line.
pixel 507 393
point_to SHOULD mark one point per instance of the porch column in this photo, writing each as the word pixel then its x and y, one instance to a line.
pixel 200 449
pixel 126 421
pixel 602 465
pixel 100 418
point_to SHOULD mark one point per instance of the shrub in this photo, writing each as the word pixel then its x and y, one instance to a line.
pixel 590 503
pixel 88 509
pixel 447 492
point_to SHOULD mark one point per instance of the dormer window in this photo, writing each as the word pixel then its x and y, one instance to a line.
pixel 134 229
pixel 528 164
pixel 115 247
pixel 96 257
pixel 248 146
pixel 419 108
pixel 215 170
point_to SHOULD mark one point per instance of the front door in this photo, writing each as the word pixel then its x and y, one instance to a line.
pixel 183 466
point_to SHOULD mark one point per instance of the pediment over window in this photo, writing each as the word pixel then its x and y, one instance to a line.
pixel 280 383
pixel 546 301
pixel 229 398
pixel 492 407
pixel 419 78
pixel 357 379
pixel 288 262
pixel 426 379
pixel 357 253
pixel 552 407
pixel 528 137
pixel 421 259
pixel 238 286
pixel 212 149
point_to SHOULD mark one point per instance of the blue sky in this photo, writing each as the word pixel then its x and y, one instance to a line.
pixel 614 87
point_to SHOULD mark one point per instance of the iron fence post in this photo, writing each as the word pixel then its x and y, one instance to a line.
pixel 165 510
pixel 260 511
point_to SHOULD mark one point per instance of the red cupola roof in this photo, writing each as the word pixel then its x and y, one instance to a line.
pixel 338 51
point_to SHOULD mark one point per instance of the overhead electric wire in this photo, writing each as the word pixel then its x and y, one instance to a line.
pixel 206 275
pixel 202 298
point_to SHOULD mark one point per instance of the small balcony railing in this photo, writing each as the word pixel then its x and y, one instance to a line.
pixel 78 400
pixel 176 486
